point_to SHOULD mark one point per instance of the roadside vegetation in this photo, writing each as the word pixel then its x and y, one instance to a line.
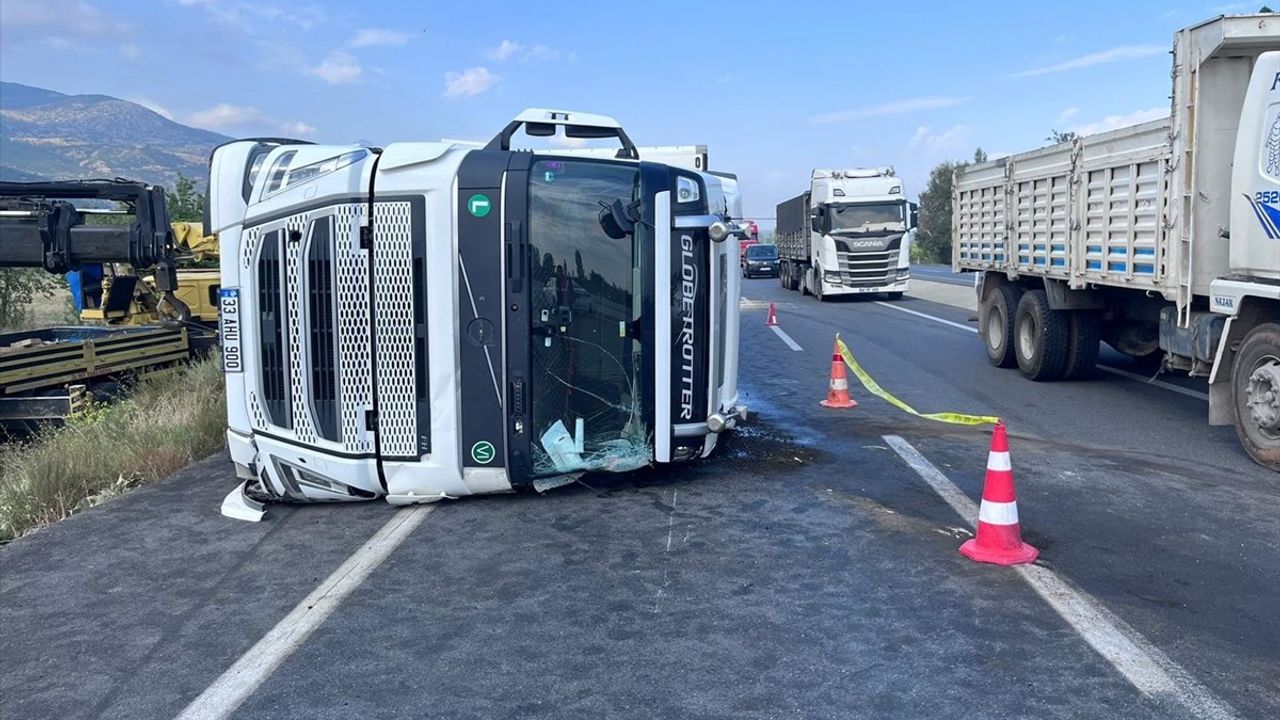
pixel 164 424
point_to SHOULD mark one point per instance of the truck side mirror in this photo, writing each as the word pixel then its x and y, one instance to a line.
pixel 915 216
pixel 815 220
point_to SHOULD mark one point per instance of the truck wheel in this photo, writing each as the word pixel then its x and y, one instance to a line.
pixel 817 285
pixel 997 328
pixel 804 281
pixel 1041 337
pixel 1255 386
pixel 782 276
pixel 1083 341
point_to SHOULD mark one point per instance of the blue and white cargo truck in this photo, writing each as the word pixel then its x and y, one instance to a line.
pixel 433 320
pixel 1163 238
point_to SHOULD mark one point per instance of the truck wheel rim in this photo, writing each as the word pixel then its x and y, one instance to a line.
pixel 995 328
pixel 1262 395
pixel 1027 337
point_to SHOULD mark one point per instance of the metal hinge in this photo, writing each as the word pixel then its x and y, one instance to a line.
pixel 366 237
pixel 371 420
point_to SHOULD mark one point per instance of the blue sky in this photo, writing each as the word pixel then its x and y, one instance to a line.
pixel 773 89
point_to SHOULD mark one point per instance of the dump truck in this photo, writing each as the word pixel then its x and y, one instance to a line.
pixel 1160 238
pixel 435 320
pixel 849 233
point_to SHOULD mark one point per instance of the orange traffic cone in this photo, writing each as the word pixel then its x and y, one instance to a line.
pixel 772 318
pixel 838 388
pixel 999 538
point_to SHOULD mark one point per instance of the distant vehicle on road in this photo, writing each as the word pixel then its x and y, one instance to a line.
pixel 760 260
pixel 1163 238
pixel 849 233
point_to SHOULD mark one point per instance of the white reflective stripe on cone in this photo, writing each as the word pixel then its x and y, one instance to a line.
pixel 999 461
pixel 998 513
pixel 840 384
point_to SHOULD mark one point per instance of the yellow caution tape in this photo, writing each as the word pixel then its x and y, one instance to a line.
pixel 874 388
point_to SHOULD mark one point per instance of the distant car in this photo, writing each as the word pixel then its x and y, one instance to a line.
pixel 760 261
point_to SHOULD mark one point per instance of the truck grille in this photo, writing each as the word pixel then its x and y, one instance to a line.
pixel 866 269
pixel 272 323
pixel 324 388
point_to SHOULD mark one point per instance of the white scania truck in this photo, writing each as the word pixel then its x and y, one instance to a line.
pixel 1163 239
pixel 429 320
pixel 849 233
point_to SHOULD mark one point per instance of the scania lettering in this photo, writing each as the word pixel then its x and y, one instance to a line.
pixel 849 233
pixel 1159 238
pixel 435 320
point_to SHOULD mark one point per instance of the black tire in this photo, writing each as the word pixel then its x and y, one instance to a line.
pixel 1041 337
pixel 1257 354
pixel 1085 329
pixel 896 295
pixel 782 276
pixel 995 326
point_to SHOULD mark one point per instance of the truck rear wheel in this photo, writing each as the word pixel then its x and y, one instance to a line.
pixel 1085 330
pixel 996 329
pixel 1041 337
pixel 1255 387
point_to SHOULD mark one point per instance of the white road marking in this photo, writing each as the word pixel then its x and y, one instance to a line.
pixel 909 311
pixel 786 338
pixel 1144 665
pixel 253 668
pixel 1158 383
pixel 1106 368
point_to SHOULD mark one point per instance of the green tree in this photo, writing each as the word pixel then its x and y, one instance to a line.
pixel 1061 136
pixel 979 156
pixel 20 288
pixel 933 236
pixel 186 202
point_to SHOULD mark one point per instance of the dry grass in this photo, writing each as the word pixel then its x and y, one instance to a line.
pixel 165 424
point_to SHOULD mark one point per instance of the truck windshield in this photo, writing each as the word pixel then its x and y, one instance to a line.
pixel 865 218
pixel 587 360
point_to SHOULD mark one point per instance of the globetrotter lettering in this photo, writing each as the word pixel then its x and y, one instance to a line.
pixel 688 291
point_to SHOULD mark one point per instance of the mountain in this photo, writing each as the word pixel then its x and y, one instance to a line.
pixel 49 135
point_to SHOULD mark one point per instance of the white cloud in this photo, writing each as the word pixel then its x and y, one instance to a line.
pixel 1111 122
pixel 1124 52
pixel 339 67
pixel 75 17
pixel 505 50
pixel 224 115
pixel 950 141
pixel 890 108
pixel 509 49
pixel 370 37
pixel 151 105
pixel 255 16
pixel 129 51
pixel 565 141
pixel 1065 116
pixel 469 82
pixel 297 127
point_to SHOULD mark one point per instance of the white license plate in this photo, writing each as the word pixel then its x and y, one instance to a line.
pixel 230 328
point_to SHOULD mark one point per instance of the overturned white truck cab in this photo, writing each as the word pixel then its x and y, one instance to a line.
pixel 429 321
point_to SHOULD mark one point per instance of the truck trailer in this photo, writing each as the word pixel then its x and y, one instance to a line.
pixel 1160 238
pixel 432 320
pixel 849 233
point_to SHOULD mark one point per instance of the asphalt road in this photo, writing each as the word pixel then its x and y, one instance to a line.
pixel 804 571
pixel 942 274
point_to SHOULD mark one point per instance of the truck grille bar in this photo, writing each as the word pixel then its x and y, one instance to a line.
pixel 272 323
pixel 324 389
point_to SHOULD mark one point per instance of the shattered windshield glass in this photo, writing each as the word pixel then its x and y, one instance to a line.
pixel 587 359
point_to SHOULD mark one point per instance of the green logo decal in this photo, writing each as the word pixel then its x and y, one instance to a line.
pixel 479 206
pixel 483 452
